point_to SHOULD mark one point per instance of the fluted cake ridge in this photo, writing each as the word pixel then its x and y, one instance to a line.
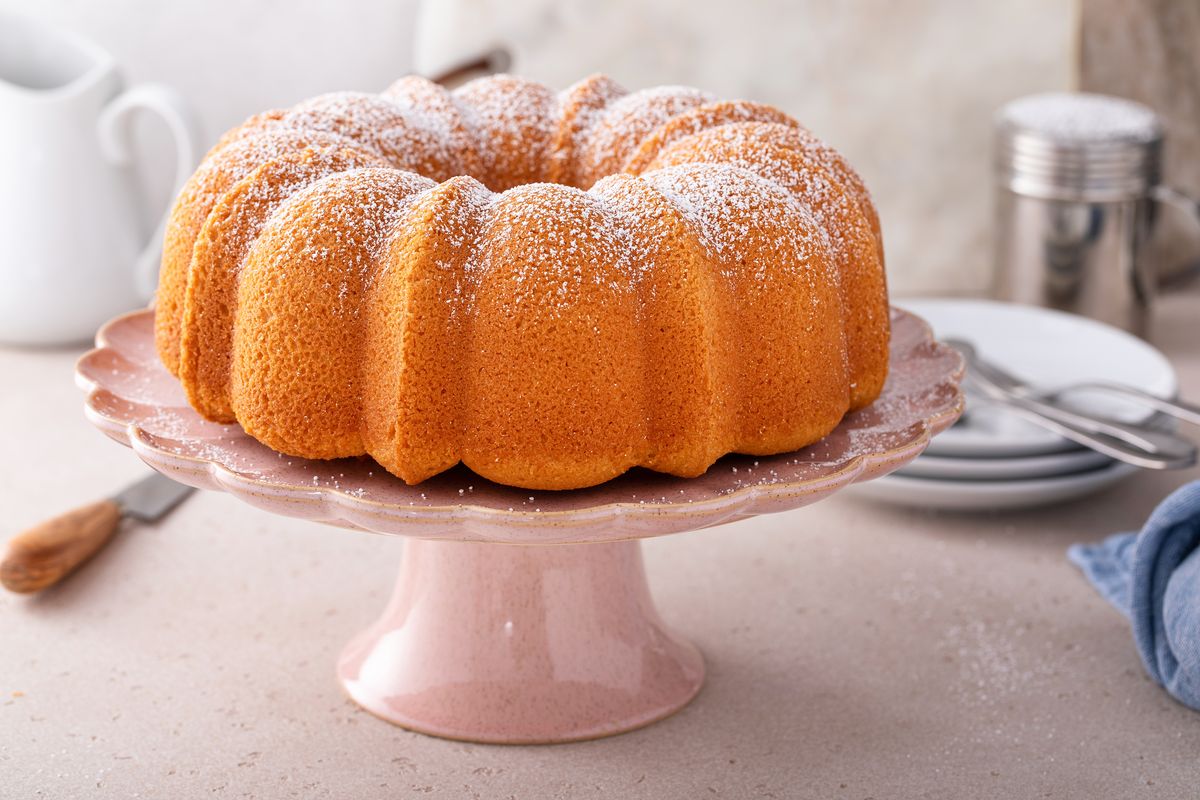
pixel 551 288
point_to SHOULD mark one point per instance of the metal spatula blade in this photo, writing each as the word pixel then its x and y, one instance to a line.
pixel 151 497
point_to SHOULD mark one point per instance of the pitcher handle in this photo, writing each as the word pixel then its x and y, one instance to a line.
pixel 116 142
pixel 1190 207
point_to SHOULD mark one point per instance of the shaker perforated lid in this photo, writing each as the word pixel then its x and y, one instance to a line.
pixel 1077 146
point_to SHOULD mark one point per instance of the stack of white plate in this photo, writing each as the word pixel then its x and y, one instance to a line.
pixel 992 459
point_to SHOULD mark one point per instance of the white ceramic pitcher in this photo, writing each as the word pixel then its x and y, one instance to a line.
pixel 73 246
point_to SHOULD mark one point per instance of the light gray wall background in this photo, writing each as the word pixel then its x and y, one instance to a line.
pixel 906 90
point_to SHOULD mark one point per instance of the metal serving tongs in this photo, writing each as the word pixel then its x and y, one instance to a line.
pixel 1134 444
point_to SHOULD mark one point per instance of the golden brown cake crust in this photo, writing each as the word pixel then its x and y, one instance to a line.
pixel 241 152
pixel 206 343
pixel 551 289
pixel 780 153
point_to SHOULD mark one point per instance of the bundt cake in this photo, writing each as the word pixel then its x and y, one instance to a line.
pixel 549 288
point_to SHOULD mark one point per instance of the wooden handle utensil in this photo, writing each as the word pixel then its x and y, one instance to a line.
pixel 44 554
pixel 47 553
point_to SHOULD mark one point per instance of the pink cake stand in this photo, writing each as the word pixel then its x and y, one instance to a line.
pixel 519 616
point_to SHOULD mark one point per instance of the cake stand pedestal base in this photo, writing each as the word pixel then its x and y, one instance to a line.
pixel 521 644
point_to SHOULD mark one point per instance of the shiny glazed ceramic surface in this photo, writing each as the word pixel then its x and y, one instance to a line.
pixel 537 643
pixel 550 644
pixel 68 148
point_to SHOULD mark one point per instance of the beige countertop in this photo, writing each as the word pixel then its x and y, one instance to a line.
pixel 853 650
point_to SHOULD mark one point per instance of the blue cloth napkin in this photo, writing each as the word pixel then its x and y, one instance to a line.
pixel 1153 577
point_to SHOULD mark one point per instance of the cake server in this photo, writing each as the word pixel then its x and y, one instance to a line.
pixel 46 553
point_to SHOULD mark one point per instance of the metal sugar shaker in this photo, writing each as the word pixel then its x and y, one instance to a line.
pixel 1077 190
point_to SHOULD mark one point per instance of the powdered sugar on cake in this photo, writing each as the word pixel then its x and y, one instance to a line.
pixel 413 125
pixel 509 225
